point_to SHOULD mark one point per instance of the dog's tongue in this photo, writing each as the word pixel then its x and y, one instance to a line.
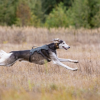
pixel 64 48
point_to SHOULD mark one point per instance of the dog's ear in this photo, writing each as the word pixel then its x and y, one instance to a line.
pixel 56 40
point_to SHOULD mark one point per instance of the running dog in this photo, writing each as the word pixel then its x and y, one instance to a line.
pixel 39 55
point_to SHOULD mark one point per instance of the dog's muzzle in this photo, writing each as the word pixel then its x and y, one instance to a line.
pixel 65 47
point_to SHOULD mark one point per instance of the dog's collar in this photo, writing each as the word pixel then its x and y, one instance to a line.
pixel 56 45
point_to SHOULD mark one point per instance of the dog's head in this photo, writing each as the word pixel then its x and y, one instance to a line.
pixel 60 44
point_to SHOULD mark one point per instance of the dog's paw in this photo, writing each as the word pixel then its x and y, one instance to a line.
pixel 75 69
pixel 76 61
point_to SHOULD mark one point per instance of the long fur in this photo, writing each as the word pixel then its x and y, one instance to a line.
pixel 4 56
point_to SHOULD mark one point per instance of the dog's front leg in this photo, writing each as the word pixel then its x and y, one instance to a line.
pixel 68 60
pixel 63 65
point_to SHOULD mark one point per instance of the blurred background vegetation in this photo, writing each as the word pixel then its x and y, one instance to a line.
pixel 50 13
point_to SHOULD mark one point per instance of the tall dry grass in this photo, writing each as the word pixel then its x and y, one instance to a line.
pixel 27 81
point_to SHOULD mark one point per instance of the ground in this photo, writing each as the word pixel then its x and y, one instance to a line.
pixel 29 81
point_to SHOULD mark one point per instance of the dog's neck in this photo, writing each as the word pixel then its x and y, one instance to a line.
pixel 53 46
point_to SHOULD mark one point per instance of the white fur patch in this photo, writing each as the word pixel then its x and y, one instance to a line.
pixel 4 56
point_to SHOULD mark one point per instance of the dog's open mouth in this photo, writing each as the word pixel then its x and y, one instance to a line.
pixel 64 48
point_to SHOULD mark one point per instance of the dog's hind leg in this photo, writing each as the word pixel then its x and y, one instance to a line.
pixel 6 59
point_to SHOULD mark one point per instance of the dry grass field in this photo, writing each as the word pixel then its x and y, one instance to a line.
pixel 27 81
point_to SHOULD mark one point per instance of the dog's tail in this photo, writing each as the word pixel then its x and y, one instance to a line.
pixel 3 57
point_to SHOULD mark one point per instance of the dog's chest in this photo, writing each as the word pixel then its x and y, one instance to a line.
pixel 53 55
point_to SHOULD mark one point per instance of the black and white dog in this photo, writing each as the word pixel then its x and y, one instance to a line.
pixel 38 55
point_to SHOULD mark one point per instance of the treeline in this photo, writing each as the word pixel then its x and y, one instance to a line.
pixel 50 13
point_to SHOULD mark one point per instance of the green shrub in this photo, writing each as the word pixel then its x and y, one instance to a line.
pixel 95 12
pixel 57 18
pixel 84 13
pixel 7 12
pixel 78 14
pixel 96 20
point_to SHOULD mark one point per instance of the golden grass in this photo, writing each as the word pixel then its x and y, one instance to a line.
pixel 27 81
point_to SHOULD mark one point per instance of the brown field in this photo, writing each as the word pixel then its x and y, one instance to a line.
pixel 27 81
